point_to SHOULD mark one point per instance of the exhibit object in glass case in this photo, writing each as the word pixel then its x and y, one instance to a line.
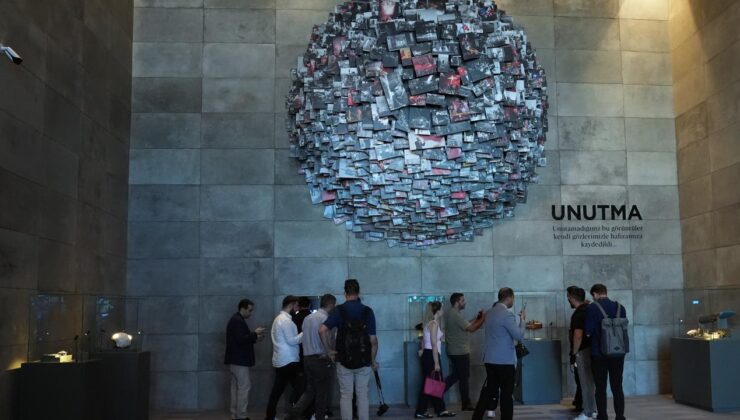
pixel 541 314
pixel 58 357
pixel 713 326
pixel 121 340
pixel 418 126
pixel 534 325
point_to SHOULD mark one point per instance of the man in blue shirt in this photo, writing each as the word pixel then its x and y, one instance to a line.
pixel 604 367
pixel 502 333
pixel 356 349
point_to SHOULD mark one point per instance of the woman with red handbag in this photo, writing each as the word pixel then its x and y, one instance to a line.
pixel 434 386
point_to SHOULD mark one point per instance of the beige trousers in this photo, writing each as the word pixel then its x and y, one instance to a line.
pixel 240 384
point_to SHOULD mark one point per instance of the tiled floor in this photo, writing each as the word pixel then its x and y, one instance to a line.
pixel 638 408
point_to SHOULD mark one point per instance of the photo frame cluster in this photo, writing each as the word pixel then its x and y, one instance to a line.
pixel 418 122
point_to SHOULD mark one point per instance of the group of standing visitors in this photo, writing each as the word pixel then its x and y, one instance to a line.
pixel 309 349
pixel 598 345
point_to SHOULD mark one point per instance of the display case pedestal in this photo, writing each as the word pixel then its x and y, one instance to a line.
pixel 73 390
pixel 127 375
pixel 706 373
pixel 539 373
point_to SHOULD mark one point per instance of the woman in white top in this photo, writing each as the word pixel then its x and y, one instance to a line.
pixel 431 347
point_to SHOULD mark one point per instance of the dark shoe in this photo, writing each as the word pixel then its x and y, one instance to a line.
pixel 423 416
pixel 329 413
pixel 446 414
pixel 468 408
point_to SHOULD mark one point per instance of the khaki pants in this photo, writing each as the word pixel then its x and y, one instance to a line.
pixel 240 385
pixel 357 380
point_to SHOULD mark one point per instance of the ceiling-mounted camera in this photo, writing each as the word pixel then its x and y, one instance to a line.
pixel 11 54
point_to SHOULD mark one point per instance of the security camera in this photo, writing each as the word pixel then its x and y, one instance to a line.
pixel 11 54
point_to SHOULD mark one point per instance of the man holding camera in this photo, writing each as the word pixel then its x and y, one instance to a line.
pixel 457 334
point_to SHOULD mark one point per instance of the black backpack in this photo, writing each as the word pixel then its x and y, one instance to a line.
pixel 353 341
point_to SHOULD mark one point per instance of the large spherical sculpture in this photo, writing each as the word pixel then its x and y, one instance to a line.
pixel 418 122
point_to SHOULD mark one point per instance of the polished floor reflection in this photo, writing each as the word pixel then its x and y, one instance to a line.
pixel 638 408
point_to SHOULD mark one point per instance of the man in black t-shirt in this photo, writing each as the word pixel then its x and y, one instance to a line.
pixel 577 399
pixel 580 353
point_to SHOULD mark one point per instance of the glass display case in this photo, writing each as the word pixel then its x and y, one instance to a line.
pixel 109 315
pixel 542 314
pixel 79 325
pixel 416 305
pixel 54 327
pixel 708 314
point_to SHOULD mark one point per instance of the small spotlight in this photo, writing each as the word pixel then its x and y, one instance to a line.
pixel 11 54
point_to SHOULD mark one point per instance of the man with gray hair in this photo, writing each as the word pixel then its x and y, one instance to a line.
pixel 502 333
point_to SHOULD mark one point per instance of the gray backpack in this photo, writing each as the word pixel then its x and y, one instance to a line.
pixel 615 340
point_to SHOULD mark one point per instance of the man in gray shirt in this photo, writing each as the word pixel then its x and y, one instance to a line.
pixel 316 362
pixel 502 333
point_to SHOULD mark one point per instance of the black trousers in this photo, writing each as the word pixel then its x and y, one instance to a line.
pixel 499 382
pixel 427 367
pixel 288 374
pixel 318 372
pixel 611 368
pixel 460 367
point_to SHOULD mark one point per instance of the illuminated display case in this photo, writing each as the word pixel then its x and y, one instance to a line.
pixel 416 305
pixel 542 314
pixel 108 315
pixel 708 315
pixel 79 325
pixel 54 326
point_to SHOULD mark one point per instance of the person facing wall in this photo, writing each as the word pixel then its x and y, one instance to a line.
pixel 580 351
pixel 603 366
pixel 317 364
pixel 356 349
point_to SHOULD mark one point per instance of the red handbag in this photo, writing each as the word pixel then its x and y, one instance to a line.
pixel 434 386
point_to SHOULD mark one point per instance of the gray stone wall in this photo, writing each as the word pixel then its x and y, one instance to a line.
pixel 218 211
pixel 64 133
pixel 706 73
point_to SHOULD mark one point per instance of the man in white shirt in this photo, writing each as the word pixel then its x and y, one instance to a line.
pixel 285 354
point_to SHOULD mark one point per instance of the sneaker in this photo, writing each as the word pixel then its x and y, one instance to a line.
pixel 582 416
pixel 423 416
pixel 446 414
pixel 595 415
pixel 491 414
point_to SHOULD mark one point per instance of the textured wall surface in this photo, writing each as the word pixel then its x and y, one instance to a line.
pixel 706 73
pixel 218 212
pixel 64 133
